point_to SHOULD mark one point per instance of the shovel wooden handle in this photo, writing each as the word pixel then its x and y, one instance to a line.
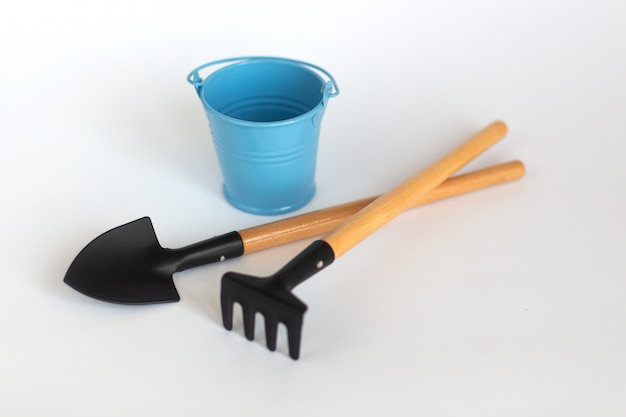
pixel 322 221
pixel 394 202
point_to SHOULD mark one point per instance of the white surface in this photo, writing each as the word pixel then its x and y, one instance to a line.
pixel 507 302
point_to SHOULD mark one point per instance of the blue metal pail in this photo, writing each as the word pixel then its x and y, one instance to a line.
pixel 265 116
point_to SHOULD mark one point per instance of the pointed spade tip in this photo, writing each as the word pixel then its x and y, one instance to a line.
pixel 122 296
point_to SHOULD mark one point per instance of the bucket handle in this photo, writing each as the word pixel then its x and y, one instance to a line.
pixel 194 76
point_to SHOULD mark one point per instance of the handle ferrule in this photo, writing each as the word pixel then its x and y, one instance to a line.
pixel 215 249
pixel 317 256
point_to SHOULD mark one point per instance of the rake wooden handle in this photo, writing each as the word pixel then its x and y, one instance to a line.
pixel 389 205
pixel 322 221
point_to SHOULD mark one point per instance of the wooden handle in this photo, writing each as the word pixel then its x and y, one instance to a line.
pixel 322 221
pixel 389 205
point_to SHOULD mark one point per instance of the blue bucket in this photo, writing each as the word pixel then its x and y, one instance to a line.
pixel 265 116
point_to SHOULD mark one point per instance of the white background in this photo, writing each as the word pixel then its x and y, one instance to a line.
pixel 506 302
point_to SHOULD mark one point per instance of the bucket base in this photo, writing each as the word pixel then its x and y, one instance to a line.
pixel 269 212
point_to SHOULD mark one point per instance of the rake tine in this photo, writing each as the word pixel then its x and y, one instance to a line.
pixel 271 330
pixel 227 311
pixel 294 334
pixel 248 321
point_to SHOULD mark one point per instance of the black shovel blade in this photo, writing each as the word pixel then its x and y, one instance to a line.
pixel 124 265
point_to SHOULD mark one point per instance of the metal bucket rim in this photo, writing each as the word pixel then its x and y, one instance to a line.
pixel 194 76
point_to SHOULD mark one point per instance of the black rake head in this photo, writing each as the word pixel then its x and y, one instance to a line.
pixel 272 296
pixel 262 295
